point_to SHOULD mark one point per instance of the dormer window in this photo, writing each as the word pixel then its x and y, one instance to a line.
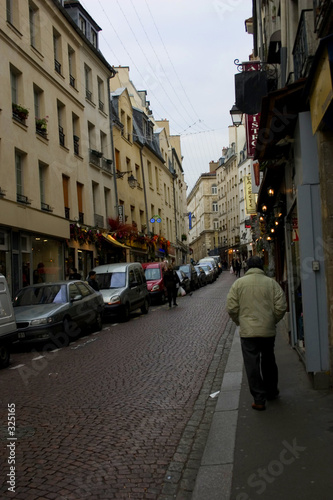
pixel 83 25
pixel 93 38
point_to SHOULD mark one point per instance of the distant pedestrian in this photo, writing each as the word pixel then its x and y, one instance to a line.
pixel 171 281
pixel 238 268
pixel 73 274
pixel 256 303
pixel 92 281
pixel 244 266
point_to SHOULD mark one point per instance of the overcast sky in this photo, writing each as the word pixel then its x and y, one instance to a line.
pixel 182 52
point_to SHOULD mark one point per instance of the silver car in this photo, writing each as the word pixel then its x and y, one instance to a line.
pixel 60 310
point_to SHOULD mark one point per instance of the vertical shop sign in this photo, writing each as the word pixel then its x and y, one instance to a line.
pixel 249 196
pixel 121 214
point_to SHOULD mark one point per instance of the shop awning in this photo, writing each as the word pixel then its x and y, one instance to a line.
pixel 113 241
pixel 279 113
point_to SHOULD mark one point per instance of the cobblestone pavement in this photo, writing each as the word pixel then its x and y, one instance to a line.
pixel 123 413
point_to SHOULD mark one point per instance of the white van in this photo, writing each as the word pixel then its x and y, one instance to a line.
pixel 8 330
pixel 124 288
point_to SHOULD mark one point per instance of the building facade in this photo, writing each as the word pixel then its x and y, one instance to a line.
pixel 293 43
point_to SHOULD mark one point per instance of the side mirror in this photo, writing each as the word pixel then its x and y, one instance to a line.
pixel 76 298
pixel 133 284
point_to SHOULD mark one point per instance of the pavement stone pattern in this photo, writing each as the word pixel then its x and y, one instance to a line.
pixel 123 413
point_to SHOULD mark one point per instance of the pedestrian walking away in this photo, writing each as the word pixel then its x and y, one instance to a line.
pixel 171 282
pixel 92 281
pixel 256 303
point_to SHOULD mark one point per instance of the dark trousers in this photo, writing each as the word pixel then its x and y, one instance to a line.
pixel 172 295
pixel 260 367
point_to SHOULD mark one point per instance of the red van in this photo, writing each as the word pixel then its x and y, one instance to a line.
pixel 155 282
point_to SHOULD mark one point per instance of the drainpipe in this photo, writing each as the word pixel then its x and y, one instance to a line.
pixel 112 146
pixel 144 189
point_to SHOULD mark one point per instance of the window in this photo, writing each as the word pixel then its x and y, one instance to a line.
pixel 76 138
pixel 100 86
pixel 12 13
pixel 14 82
pixel 214 189
pixel 65 187
pixel 215 206
pixel 87 77
pixel 42 182
pixel 19 173
pixel 33 24
pixel 71 66
pixel 79 189
pixel 83 25
pixel 61 122
pixel 129 128
pixel 57 51
pixel 93 37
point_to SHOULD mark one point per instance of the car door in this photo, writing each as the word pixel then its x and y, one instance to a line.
pixel 76 308
pixel 133 289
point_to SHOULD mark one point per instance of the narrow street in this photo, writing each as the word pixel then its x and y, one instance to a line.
pixel 105 416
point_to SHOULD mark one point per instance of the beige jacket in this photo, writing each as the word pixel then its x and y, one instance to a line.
pixel 256 303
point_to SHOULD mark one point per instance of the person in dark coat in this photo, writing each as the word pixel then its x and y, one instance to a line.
pixel 171 280
pixel 92 281
pixel 74 275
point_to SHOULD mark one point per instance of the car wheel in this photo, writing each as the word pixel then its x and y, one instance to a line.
pixel 145 307
pixel 4 356
pixel 98 323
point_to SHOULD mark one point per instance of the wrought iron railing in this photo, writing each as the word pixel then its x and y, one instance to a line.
pixel 305 45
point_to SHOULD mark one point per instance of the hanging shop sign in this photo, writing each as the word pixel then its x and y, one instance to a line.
pixel 249 196
pixel 155 218
pixel 121 214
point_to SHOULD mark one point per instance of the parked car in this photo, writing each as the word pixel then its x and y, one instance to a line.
pixel 217 259
pixel 155 282
pixel 8 329
pixel 201 275
pixel 184 281
pixel 191 273
pixel 211 262
pixel 46 309
pixel 209 272
pixel 124 289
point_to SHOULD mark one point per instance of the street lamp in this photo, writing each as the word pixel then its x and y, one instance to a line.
pixel 236 116
pixel 131 179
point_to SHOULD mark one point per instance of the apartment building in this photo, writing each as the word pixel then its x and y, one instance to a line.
pixel 54 115
pixel 150 188
pixel 203 217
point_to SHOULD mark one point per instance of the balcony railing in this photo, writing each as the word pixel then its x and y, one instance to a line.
pixel 46 207
pixel 57 66
pixel 67 212
pixel 76 144
pixel 101 105
pixel 61 136
pixel 305 45
pixel 88 95
pixel 99 220
pixel 23 199
pixel 81 217
pixel 72 81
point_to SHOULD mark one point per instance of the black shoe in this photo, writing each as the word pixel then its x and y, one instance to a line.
pixel 259 407
pixel 175 304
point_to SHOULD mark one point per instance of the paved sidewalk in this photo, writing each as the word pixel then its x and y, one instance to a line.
pixel 284 452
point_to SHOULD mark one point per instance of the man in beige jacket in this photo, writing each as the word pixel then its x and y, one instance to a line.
pixel 256 303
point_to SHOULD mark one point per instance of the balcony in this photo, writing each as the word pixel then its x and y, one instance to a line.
pixel 107 165
pixel 323 20
pixel 305 45
pixel 88 95
pixel 101 105
pixel 99 220
pixel 20 113
pixel 95 157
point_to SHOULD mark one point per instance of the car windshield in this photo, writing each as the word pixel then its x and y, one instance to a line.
pixel 111 280
pixel 48 294
pixel 206 268
pixel 185 269
pixel 152 273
